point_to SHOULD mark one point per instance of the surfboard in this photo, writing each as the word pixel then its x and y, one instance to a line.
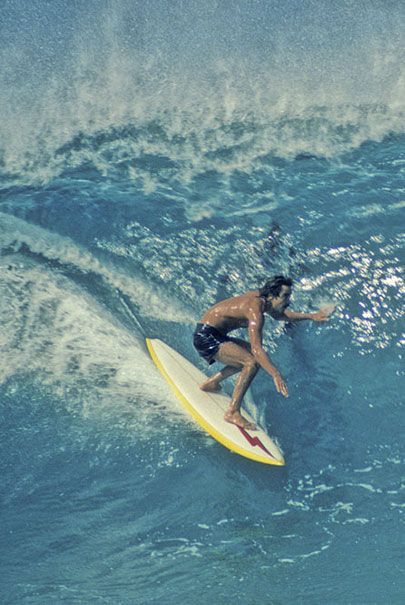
pixel 208 408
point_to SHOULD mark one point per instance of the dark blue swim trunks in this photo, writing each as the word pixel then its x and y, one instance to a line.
pixel 207 341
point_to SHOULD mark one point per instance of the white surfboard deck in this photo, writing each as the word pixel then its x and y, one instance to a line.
pixel 208 408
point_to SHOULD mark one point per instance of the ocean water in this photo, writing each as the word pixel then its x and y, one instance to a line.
pixel 156 157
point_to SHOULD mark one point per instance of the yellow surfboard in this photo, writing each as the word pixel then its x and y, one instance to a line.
pixel 208 408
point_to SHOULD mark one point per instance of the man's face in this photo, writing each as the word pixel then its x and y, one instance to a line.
pixel 281 302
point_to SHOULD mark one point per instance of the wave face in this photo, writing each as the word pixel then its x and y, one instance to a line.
pixel 155 158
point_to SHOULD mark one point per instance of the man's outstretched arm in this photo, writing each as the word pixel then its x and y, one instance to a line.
pixel 322 315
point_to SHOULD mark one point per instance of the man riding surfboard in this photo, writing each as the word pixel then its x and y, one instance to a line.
pixel 246 311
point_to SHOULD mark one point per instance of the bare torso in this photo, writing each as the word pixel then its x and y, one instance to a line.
pixel 233 313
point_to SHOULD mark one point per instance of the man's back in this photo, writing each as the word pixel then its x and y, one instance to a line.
pixel 233 313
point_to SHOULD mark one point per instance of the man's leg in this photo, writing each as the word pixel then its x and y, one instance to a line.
pixel 238 357
pixel 212 384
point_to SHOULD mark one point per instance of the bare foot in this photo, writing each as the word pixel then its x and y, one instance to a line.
pixel 210 387
pixel 239 420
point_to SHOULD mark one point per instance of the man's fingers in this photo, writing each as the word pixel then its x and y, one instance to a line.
pixel 281 386
pixel 284 389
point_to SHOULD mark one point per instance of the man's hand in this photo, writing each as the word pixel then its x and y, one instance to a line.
pixel 280 384
pixel 324 313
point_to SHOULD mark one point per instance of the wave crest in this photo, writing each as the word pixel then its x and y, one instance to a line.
pixel 180 146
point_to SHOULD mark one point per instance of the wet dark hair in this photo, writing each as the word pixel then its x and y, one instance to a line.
pixel 273 286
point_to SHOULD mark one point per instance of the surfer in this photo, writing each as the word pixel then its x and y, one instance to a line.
pixel 246 311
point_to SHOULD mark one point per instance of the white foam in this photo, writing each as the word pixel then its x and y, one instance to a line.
pixel 196 89
pixel 56 329
pixel 196 132
pixel 63 340
pixel 15 232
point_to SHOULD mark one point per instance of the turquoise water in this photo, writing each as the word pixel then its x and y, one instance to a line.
pixel 156 158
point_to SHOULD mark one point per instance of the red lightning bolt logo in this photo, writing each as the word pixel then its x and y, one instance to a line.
pixel 255 441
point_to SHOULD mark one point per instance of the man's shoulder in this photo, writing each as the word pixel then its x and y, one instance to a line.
pixel 254 304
